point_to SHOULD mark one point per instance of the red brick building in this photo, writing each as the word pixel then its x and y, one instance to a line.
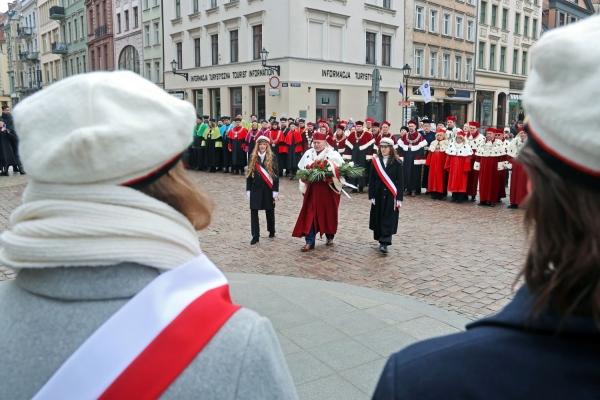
pixel 101 47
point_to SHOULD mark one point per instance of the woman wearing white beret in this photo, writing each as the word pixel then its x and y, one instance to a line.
pixel 113 297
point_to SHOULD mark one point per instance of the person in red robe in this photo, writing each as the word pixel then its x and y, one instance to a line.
pixel 488 163
pixel 293 140
pixel 475 140
pixel 518 176
pixel 338 140
pixel 237 144
pixel 319 213
pixel 458 165
pixel 278 145
pixel 384 133
pixel 307 136
pixel 359 149
pixel 502 171
pixel 436 160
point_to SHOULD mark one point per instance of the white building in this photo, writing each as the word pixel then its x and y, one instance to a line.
pixel 129 48
pixel 327 52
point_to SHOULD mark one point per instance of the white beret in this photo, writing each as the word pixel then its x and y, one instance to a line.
pixel 263 139
pixel 101 128
pixel 561 97
pixel 387 141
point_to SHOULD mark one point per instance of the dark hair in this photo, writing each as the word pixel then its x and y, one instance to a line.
pixel 562 219
pixel 5 107
pixel 393 157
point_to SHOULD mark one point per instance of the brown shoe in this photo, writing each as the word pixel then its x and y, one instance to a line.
pixel 307 247
pixel 329 242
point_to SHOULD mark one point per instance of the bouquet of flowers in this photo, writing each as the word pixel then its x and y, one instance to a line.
pixel 324 171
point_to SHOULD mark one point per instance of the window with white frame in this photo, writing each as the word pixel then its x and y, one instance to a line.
pixel 418 62
pixel 433 64
pixel 157 69
pixel 471 2
pixel 459 27
pixel 147 34
pixel 470 30
pixel 148 72
pixel 469 70
pixel 419 15
pixel 195 7
pixel 433 21
pixel 445 66
pixel 457 68
pixel 447 25
pixel 386 4
pixel 156 33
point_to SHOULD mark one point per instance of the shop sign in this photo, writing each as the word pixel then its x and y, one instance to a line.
pixel 180 95
pixel 463 94
pixel 330 73
pixel 251 73
pixel 518 85
pixel 513 103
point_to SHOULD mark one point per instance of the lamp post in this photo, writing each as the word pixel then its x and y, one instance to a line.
pixel 406 72
pixel 264 54
pixel 174 65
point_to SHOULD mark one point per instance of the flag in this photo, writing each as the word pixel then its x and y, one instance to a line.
pixel 425 92
pixel 401 90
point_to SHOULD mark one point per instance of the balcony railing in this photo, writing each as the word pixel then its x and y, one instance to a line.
pixel 24 32
pixel 57 12
pixel 23 57
pixel 59 48
pixel 29 56
pixel 100 31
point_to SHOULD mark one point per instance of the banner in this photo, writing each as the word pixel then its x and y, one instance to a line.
pixel 425 92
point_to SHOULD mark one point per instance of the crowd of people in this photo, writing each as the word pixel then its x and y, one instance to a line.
pixel 9 144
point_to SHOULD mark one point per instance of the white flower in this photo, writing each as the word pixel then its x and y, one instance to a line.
pixel 351 164
pixel 330 168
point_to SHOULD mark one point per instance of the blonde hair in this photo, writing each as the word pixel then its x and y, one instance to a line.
pixel 268 161
pixel 177 190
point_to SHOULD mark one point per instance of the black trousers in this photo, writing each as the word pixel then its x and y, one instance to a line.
pixel 255 225
pixel 385 240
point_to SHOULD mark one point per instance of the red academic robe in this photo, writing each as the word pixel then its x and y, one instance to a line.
pixel 458 176
pixel 502 177
pixel 473 179
pixel 518 182
pixel 489 176
pixel 237 134
pixel 296 138
pixel 337 144
pixel 306 140
pixel 436 161
pixel 278 141
pixel 319 208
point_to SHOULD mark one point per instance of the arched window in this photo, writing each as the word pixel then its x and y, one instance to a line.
pixel 129 59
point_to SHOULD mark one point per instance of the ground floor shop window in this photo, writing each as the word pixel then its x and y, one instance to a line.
pixel 515 107
pixel 485 105
pixel 259 102
pixel 327 104
pixel 215 103
pixel 199 98
pixel 236 101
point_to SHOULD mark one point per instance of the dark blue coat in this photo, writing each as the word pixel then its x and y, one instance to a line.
pixel 507 356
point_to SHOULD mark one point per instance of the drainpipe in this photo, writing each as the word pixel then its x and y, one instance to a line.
pixel 475 62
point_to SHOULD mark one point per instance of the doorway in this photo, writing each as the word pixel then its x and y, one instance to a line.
pixel 501 118
pixel 259 102
pixel 215 103
pixel 327 104
pixel 236 102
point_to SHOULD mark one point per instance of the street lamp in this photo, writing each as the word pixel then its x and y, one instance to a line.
pixel 406 72
pixel 174 65
pixel 264 54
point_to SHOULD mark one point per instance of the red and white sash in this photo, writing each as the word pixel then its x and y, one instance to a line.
pixel 140 350
pixel 265 175
pixel 385 178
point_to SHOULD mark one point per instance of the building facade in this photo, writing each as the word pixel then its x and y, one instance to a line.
pixel 71 42
pixel 49 33
pixel 152 40
pixel 4 80
pixel 559 13
pixel 128 35
pixel 327 52
pixel 100 40
pixel 507 30
pixel 440 46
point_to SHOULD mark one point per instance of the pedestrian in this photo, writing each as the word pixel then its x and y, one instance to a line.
pixel 338 141
pixel 13 139
pixel 279 146
pixel 375 126
pixel 475 141
pixel 458 165
pixel 225 128
pixel 451 128
pixel 319 213
pixel 518 175
pixel 112 253
pixel 262 186
pixel 385 193
pixel 502 171
pixel 436 161
pixel 412 150
pixel 331 124
pixel 551 324
pixel 488 162
pixel 359 150
pixel 385 133
pixel 237 143
pixel 214 147
pixel 253 134
pixel 7 156
pixel 293 140
pixel 198 150
pixel 265 127
pixel 429 137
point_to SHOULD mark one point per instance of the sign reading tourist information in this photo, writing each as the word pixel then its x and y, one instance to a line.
pixel 235 75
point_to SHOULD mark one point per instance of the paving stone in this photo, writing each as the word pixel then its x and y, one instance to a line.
pixel 344 354
pixel 356 323
pixel 425 328
pixel 388 312
pixel 365 377
pixel 333 387
pixel 305 368
pixel 386 341
pixel 313 334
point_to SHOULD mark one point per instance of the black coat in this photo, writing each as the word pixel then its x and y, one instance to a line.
pixel 507 356
pixel 261 195
pixel 383 220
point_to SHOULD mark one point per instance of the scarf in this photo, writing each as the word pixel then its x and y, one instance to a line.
pixel 95 225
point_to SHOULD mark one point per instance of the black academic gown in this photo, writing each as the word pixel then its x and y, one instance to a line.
pixel 429 137
pixel 412 172
pixel 383 220
pixel 261 195
pixel 226 153
pixel 293 158
pixel 214 154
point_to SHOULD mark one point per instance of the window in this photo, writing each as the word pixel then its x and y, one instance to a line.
pixel 433 21
pixel 482 15
pixel 459 27
pixel 148 72
pixel 155 2
pixel 419 11
pixel 118 23
pixel 457 68
pixel 445 66
pixel 492 56
pixel 179 55
pixel 72 67
pixel 256 41
pixel 135 17
pixel 146 4
pixel 233 46
pixel 524 63
pixel 561 19
pixel 214 46
pixel 505 19
pixel 106 57
pixel 386 50
pixel 370 59
pixel 93 63
pixel 433 64
pixel 517 21
pixel 147 35
pixel 471 2
pixel 515 61
pixel 103 13
pixel 534 29
pixel 76 30
pixel 126 15
pixel 502 59
pixel 197 52
pixel 177 8
pixel 157 72
pixel 195 6
pixel 470 30
pixel 494 15
pixel 446 27
pixel 92 20
pixel 82 27
pixel 213 3
pixel 418 62
pixel 469 70
pixel 69 24
pixel 526 26
pixel 387 4
pixel 156 33
pixel 129 59
pixel 84 64
pixel 481 55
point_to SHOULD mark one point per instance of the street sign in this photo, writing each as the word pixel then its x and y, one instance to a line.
pixel 284 84
pixel 404 103
pixel 294 84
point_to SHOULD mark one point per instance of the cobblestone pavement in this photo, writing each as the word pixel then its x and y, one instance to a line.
pixel 459 257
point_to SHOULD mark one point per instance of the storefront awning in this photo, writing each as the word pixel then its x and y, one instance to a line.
pixel 515 97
